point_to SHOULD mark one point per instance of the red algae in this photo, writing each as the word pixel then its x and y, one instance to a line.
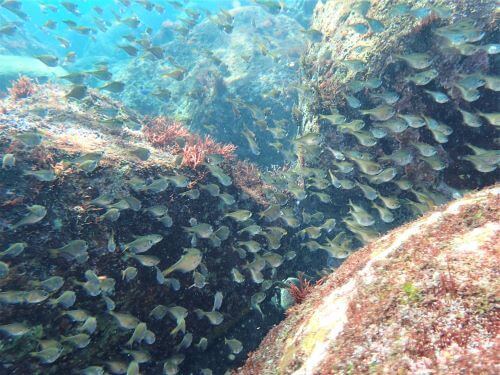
pixel 421 303
pixel 174 137
pixel 22 88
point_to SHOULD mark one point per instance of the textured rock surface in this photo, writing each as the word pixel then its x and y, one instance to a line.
pixel 419 300
pixel 220 93
pixel 344 60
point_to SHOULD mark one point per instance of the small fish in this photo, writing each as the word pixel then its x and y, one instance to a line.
pixel 159 312
pixel 8 29
pixel 334 118
pixel 125 321
pixel 129 49
pixel 390 202
pixel 239 215
pixel 49 60
pixel 129 274
pixel 8 161
pixel 471 119
pixel 438 96
pixel 359 28
pixel 434 162
pixel 166 220
pixel 110 215
pixel 45 175
pixel 219 173
pixel 77 92
pixel 385 215
pixel 413 121
pixel 369 192
pixel 403 184
pixel 381 113
pixel 177 74
pixel 401 157
pixel 110 304
pixel 367 166
pixel 214 317
pixel 187 263
pixel 52 284
pixel 14 329
pixel 492 118
pixel 143 243
pixel 309 139
pixel 217 301
pixel 354 65
pixel 385 175
pixel 146 260
pixel 234 345
pixel 237 276
pixel 65 300
pixel 76 249
pixel 202 344
pixel 77 315
pixel 202 230
pixel 36 214
pixel 49 355
pixel 179 180
pixel 361 216
pixel 88 166
pixel 142 153
pixel 114 87
pixel 138 335
pixel 212 189
pixel 14 250
pixel 375 25
pixel 416 60
pixel 228 199
pixel 389 97
pixel 102 200
pixel 93 370
pixel 424 149
pixel 352 101
pixel 423 78
pixel 79 341
pixel 4 270
pixel 192 194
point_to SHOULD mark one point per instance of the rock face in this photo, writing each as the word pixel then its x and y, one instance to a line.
pixel 419 300
pixel 85 155
pixel 357 72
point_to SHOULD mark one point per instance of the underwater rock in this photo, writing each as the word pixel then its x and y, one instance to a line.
pixel 420 299
pixel 393 94
pixel 87 228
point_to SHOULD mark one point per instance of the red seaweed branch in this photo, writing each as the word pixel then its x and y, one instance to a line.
pixel 172 136
pixel 300 292
pixel 22 88
pixel 166 133
pixel 195 153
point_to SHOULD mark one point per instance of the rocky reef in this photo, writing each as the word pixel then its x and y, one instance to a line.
pixel 421 299
pixel 398 102
pixel 95 209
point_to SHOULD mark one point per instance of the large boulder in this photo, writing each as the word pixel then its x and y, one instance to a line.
pixel 387 114
pixel 421 299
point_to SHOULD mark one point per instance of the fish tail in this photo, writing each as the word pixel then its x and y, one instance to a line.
pixel 168 271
